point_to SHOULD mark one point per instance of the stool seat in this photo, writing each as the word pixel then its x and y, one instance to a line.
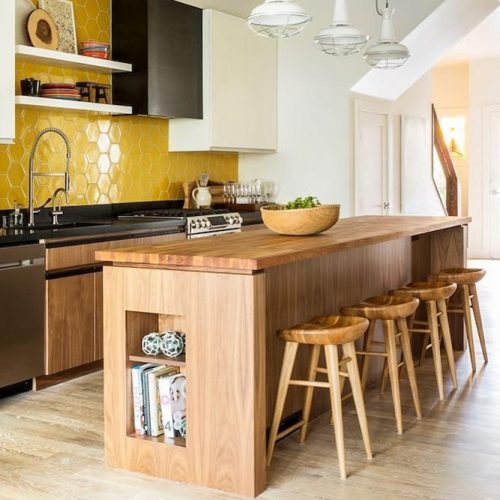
pixel 428 290
pixel 326 330
pixel 461 276
pixel 384 307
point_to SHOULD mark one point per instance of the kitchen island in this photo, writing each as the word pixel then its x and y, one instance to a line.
pixel 230 295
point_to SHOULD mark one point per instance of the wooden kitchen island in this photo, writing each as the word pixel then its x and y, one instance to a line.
pixel 230 295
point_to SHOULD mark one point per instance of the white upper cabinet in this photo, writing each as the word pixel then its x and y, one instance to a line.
pixel 7 71
pixel 240 72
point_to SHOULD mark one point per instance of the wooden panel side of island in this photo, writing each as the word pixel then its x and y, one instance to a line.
pixel 223 319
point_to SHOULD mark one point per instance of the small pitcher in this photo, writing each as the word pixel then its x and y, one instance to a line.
pixel 202 197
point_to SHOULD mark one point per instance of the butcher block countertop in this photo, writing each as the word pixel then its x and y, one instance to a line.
pixel 261 248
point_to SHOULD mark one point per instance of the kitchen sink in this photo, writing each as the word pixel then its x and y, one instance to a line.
pixel 67 225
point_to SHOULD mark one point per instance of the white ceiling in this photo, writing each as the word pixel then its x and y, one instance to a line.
pixel 483 42
pixel 241 8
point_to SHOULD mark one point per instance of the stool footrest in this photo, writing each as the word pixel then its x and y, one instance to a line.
pixel 291 429
pixel 455 311
pixel 377 342
pixel 419 330
pixel 369 353
pixel 310 383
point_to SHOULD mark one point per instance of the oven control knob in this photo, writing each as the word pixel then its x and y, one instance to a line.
pixel 240 219
pixel 208 223
pixel 193 224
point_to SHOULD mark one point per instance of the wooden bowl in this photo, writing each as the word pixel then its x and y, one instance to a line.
pixel 300 221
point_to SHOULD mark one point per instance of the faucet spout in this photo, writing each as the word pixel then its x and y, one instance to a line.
pixel 33 174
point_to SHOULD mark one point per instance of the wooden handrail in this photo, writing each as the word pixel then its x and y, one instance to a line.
pixel 447 165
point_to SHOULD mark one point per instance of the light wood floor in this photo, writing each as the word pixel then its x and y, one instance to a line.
pixel 51 442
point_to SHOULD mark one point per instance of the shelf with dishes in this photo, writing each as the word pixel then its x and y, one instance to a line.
pixel 47 102
pixel 66 60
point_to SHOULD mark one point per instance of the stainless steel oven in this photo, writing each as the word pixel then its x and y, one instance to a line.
pixel 22 306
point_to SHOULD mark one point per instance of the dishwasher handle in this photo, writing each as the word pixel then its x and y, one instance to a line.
pixel 22 263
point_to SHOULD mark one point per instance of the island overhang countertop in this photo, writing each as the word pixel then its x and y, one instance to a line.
pixel 261 248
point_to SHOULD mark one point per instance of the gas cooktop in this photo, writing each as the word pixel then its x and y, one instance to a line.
pixel 173 213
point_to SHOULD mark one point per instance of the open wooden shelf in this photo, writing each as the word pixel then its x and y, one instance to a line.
pixel 161 439
pixel 159 360
pixel 46 102
pixel 65 60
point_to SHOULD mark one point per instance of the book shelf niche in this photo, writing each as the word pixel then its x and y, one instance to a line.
pixel 145 389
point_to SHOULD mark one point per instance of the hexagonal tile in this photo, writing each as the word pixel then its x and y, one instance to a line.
pixel 115 133
pixel 92 153
pixel 92 173
pixel 104 143
pixel 104 184
pixel 104 164
pixel 92 132
pixel 115 153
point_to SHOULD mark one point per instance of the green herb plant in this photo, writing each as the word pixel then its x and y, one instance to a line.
pixel 307 202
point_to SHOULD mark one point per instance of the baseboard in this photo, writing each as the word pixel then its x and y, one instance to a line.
pixel 45 381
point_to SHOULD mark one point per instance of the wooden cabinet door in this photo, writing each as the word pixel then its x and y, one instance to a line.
pixel 70 317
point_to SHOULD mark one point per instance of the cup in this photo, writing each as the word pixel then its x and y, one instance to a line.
pixel 30 87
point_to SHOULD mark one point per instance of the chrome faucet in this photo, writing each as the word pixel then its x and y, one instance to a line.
pixel 33 174
pixel 56 209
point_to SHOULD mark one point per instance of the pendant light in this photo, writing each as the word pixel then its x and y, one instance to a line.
pixel 340 38
pixel 387 53
pixel 278 19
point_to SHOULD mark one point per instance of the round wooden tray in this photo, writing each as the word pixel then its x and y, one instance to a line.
pixel 42 30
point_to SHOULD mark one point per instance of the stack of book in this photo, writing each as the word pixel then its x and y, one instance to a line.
pixel 159 394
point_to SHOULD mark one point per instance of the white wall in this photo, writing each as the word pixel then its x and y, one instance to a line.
pixel 316 108
pixel 417 102
pixel 484 89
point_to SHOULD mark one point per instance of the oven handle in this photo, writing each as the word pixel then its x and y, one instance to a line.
pixel 22 264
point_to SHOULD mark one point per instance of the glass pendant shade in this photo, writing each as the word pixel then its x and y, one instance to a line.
pixel 387 53
pixel 340 38
pixel 278 19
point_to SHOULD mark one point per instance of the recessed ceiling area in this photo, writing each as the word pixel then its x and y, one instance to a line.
pixel 241 8
pixel 483 42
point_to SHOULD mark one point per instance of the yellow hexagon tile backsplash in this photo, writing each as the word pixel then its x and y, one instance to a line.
pixel 114 159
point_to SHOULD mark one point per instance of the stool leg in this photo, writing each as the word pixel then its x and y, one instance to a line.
pixel 392 362
pixel 468 324
pixel 410 367
pixel 366 348
pixel 313 365
pixel 423 351
pixel 383 381
pixel 286 373
pixel 332 364
pixel 436 345
pixel 479 321
pixel 357 393
pixel 445 328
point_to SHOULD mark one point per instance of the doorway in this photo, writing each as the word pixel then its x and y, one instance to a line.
pixel 371 162
pixel 491 181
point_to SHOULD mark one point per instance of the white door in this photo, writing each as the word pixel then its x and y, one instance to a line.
pixel 492 192
pixel 371 161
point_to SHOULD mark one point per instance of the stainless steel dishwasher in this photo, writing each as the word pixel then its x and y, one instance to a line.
pixel 22 313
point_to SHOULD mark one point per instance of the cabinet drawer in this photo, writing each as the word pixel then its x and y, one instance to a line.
pixel 81 255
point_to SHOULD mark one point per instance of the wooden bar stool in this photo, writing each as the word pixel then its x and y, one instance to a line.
pixel 466 280
pixel 329 332
pixel 434 295
pixel 392 311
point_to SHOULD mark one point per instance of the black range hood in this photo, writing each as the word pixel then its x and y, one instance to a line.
pixel 162 39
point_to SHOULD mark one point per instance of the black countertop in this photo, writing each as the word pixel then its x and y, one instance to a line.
pixel 100 224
